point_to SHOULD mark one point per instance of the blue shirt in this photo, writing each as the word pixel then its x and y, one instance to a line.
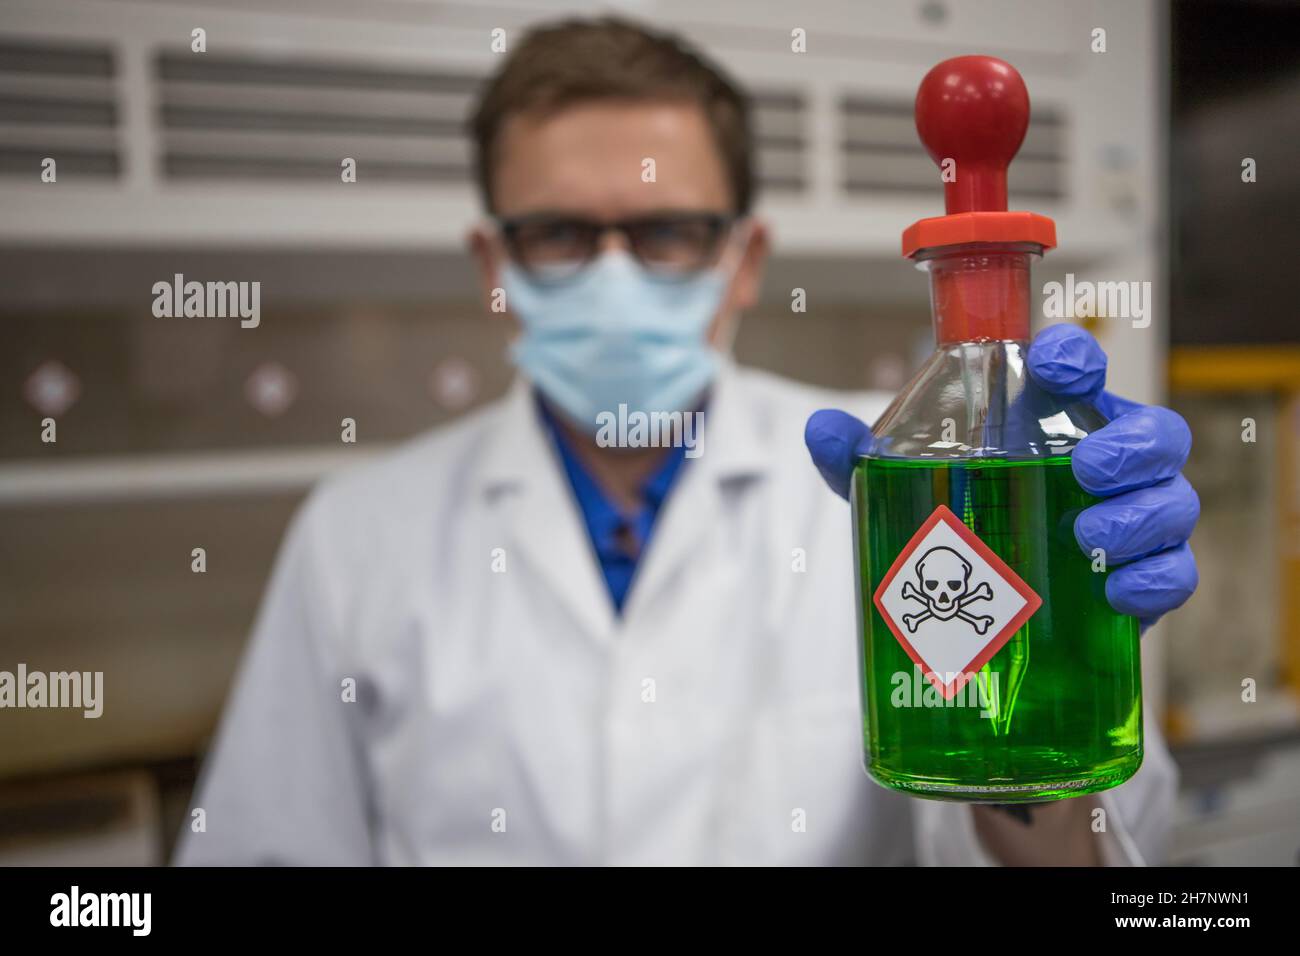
pixel 619 538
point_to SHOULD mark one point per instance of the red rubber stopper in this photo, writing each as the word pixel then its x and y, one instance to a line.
pixel 973 110
pixel 972 113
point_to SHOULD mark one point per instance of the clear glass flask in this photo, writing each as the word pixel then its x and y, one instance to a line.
pixel 993 669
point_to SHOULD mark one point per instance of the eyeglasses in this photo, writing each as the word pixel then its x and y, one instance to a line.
pixel 556 247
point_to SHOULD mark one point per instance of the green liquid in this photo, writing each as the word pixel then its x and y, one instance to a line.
pixel 1057 712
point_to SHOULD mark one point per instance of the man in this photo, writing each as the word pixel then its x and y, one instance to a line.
pixel 511 643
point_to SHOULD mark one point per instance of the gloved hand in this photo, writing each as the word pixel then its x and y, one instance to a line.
pixel 1134 463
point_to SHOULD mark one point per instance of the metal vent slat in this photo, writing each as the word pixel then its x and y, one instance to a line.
pixel 19 56
pixel 180 118
pixel 288 100
pixel 90 88
pixel 301 171
pixel 52 113
pixel 57 138
pixel 24 163
pixel 177 66
pixel 277 144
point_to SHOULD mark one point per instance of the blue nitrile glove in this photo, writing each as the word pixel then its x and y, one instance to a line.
pixel 1134 462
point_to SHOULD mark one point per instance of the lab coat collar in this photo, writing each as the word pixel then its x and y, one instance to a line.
pixel 521 472
pixel 521 462
pixel 732 456
pixel 732 445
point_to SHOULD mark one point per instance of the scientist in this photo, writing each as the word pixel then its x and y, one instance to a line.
pixel 510 642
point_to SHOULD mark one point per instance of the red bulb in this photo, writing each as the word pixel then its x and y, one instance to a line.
pixel 973 111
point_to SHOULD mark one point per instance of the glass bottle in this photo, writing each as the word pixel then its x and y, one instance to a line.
pixel 993 669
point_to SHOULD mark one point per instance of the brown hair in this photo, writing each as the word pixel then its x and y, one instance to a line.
pixel 575 60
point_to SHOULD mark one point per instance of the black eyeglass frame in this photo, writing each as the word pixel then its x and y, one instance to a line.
pixel 719 225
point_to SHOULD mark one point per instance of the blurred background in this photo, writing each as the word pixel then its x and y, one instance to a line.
pixel 225 165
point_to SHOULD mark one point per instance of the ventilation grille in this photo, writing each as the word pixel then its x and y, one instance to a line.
pixel 251 119
pixel 57 101
pixel 881 153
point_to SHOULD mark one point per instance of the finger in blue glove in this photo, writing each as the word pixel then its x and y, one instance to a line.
pixel 1136 450
pixel 1068 362
pixel 1139 523
pixel 1155 585
pixel 836 440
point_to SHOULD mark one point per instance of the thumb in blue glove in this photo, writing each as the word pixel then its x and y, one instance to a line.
pixel 836 440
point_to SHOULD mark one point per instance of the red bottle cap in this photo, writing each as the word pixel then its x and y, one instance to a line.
pixel 971 114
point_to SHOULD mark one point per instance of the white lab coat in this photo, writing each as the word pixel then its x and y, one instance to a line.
pixel 505 714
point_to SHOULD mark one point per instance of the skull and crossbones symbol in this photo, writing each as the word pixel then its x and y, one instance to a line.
pixel 945 590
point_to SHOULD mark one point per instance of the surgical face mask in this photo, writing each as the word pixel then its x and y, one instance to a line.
pixel 616 335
